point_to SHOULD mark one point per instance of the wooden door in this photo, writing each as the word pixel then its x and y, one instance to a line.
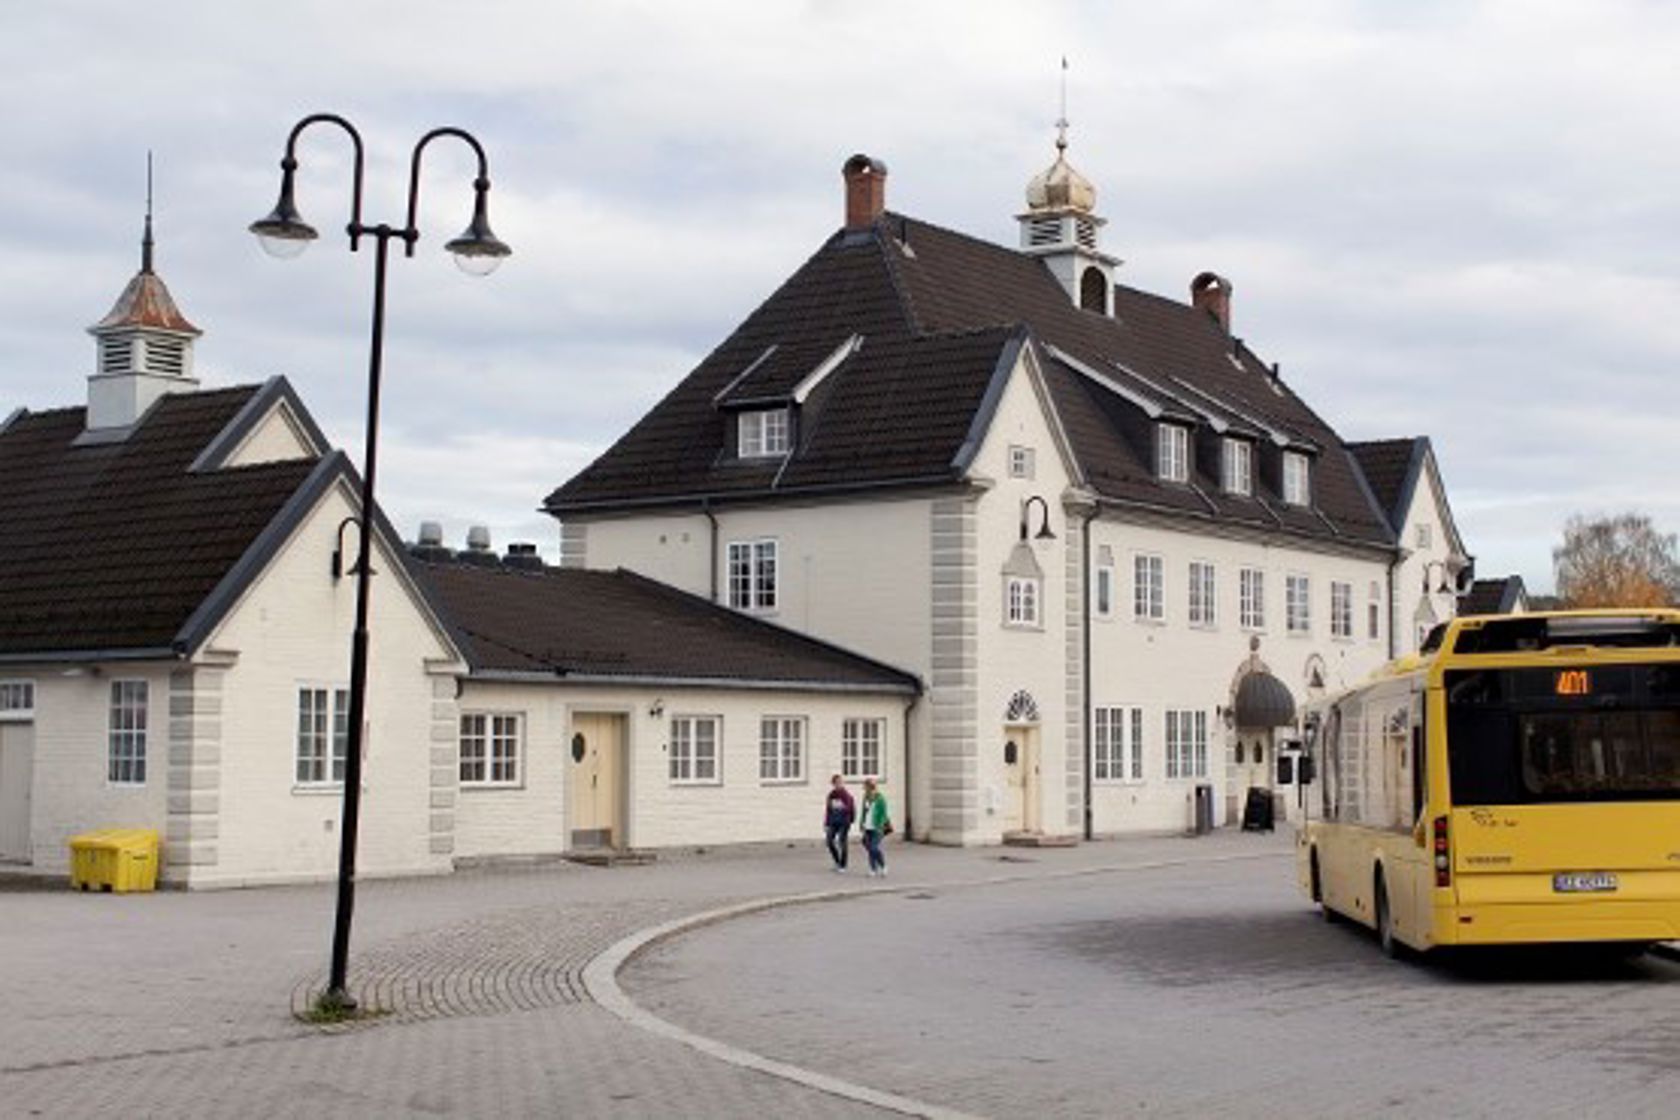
pixel 1031 788
pixel 1015 781
pixel 17 766
pixel 596 781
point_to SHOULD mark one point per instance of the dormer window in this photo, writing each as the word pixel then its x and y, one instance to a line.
pixel 1238 467
pixel 1172 452
pixel 763 433
pixel 1297 489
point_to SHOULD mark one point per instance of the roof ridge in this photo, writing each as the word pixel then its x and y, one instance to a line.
pixel 906 303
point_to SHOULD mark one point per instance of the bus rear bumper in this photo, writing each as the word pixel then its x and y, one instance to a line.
pixel 1542 922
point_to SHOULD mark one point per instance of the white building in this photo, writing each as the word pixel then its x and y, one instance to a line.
pixel 175 613
pixel 1112 540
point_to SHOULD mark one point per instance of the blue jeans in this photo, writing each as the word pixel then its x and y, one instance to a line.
pixel 872 845
pixel 838 835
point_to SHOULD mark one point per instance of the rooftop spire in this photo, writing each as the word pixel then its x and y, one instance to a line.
pixel 146 238
pixel 1061 121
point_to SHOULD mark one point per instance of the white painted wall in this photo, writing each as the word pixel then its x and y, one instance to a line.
pixel 71 791
pixel 292 628
pixel 1173 665
pixel 1416 599
pixel 1013 659
pixel 739 808
pixel 277 437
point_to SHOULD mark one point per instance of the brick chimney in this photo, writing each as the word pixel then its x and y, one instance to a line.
pixel 1211 292
pixel 866 190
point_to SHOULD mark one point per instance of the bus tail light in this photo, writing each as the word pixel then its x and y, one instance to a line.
pixel 1443 855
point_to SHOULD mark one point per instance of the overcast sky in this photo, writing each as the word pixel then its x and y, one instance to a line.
pixel 1453 219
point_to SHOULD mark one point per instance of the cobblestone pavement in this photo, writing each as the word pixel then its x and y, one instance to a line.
pixel 1208 989
pixel 181 1004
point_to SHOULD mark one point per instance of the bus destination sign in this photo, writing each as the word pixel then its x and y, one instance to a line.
pixel 1573 682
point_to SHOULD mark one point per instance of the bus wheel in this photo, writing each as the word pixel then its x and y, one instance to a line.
pixel 1385 920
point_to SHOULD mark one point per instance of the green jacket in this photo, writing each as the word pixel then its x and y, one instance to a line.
pixel 875 814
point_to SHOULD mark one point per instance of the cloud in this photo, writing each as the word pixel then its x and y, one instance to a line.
pixel 1453 219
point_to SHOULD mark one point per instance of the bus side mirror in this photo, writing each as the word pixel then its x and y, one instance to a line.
pixel 1286 770
pixel 1308 770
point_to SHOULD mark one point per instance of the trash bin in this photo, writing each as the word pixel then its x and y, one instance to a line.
pixel 1257 811
pixel 119 860
pixel 1204 810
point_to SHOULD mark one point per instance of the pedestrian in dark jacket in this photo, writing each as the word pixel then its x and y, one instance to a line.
pixel 838 813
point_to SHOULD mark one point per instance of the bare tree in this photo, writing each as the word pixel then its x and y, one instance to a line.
pixel 1620 561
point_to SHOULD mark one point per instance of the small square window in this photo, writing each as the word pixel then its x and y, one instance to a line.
pixel 762 433
pixel 1021 461
pixel 1021 601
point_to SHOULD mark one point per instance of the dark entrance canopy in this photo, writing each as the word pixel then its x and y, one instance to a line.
pixel 1263 702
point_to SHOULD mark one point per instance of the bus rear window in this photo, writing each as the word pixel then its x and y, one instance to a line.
pixel 1520 736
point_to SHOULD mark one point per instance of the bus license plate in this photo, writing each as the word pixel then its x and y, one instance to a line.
pixel 1582 881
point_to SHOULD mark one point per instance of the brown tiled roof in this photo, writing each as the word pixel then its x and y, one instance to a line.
pixel 1390 467
pixel 940 314
pixel 112 546
pixel 576 623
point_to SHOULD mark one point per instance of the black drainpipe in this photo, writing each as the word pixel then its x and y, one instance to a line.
pixel 909 832
pixel 1393 612
pixel 706 508
pixel 1085 574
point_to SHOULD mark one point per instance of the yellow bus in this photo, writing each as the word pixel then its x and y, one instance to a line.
pixel 1516 782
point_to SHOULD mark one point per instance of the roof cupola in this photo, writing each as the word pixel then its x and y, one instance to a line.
pixel 144 344
pixel 1060 226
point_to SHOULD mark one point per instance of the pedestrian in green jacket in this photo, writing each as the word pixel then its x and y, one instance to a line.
pixel 877 823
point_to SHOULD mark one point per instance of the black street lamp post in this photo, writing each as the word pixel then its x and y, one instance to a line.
pixel 284 233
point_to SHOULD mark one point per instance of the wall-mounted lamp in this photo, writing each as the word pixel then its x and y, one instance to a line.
pixel 1446 587
pixel 1044 533
pixel 656 709
pixel 338 571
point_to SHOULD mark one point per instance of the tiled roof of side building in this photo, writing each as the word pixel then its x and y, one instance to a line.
pixel 937 312
pixel 1492 596
pixel 1388 465
pixel 569 623
pixel 111 546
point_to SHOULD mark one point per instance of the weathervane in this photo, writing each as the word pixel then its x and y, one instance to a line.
pixel 1062 121
pixel 146 238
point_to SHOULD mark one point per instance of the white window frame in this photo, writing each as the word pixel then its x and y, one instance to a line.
pixel 498 738
pixel 1237 470
pixel 1297 603
pixel 685 762
pixel 1022 461
pixel 1297 479
pixel 753 572
pixel 1102 591
pixel 1186 743
pixel 763 433
pixel 327 764
pixel 863 741
pixel 1117 744
pixel 17 700
pixel 1341 610
pixel 1251 599
pixel 781 750
pixel 1203 594
pixel 1149 590
pixel 128 719
pixel 1172 452
pixel 1425 536
pixel 1373 612
pixel 1023 598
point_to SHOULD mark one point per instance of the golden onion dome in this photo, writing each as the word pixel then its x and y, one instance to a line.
pixel 1059 186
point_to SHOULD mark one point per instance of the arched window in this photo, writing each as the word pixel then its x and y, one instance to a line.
pixel 1022 709
pixel 1093 291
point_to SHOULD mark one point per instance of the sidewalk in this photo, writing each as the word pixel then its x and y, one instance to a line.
pixel 180 1003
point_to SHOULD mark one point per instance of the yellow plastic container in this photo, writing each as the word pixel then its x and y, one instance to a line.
pixel 119 860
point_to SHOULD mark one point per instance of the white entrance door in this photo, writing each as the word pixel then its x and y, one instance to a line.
pixel 17 767
pixel 597 768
